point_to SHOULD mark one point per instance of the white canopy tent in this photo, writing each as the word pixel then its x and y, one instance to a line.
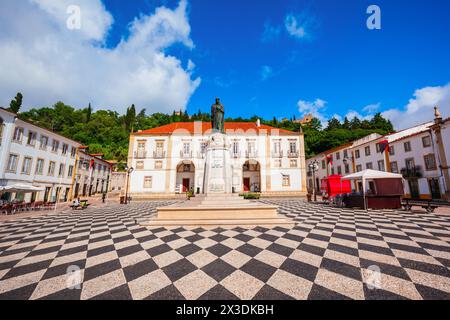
pixel 20 188
pixel 369 175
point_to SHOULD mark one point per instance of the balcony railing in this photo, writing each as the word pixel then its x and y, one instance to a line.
pixel 159 154
pixel 251 154
pixel 235 154
pixel 277 154
pixel 140 154
pixel 186 155
pixel 293 154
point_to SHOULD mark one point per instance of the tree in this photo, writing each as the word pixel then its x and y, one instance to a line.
pixel 16 103
pixel 333 124
pixel 88 113
pixel 130 118
pixel 355 123
pixel 346 124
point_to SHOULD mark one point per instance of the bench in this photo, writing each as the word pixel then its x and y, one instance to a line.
pixel 83 205
pixel 428 205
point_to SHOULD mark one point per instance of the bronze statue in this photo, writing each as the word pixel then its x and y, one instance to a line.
pixel 218 117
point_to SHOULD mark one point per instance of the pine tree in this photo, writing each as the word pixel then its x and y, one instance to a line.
pixel 16 103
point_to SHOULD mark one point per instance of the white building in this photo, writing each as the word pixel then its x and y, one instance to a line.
pixel 34 156
pixel 37 157
pixel 414 152
pixel 170 159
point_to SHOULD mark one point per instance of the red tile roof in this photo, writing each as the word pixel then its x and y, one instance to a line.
pixel 230 127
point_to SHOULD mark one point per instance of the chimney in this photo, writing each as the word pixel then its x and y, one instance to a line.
pixel 258 123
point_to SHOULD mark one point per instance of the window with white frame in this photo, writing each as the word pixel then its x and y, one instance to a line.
pixel 73 152
pixel 26 165
pixel 186 148
pixel 394 167
pixel 391 150
pixel 426 141
pixel 357 154
pixel 62 168
pixel 70 172
pixel 65 148
pixel 51 168
pixel 43 142
pixel 139 165
pixel 410 164
pixel 293 163
pixel 12 163
pixel 55 145
pixel 430 162
pixel 158 164
pixel 358 168
pixel 18 135
pixel 286 180
pixel 235 147
pixel 39 167
pixel 407 146
pixel 293 147
pixel 369 165
pixel 381 165
pixel 339 170
pixel 367 151
pixel 148 182
pixel 31 138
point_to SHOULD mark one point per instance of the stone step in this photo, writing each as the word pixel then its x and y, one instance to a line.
pixel 270 222
pixel 218 212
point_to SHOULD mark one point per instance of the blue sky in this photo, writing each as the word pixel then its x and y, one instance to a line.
pixel 245 55
pixel 285 58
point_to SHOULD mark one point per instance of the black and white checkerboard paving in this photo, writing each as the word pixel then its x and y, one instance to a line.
pixel 330 254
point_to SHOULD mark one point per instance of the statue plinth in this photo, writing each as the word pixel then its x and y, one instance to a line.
pixel 218 171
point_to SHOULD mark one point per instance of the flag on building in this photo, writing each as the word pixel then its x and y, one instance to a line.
pixel 383 146
pixel 330 159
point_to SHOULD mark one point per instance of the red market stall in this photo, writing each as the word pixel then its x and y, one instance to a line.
pixel 379 190
pixel 334 185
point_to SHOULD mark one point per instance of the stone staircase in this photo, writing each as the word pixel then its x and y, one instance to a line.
pixel 218 210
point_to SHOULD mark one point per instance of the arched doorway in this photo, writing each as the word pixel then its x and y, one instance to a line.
pixel 185 178
pixel 251 176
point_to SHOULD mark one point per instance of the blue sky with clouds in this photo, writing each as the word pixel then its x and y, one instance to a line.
pixel 270 58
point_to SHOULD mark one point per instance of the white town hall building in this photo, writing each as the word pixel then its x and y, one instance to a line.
pixel 170 159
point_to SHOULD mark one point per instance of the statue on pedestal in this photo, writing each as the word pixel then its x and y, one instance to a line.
pixel 218 117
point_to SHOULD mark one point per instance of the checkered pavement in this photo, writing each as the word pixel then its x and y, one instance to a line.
pixel 330 253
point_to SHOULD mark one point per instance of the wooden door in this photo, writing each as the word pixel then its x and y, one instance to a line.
pixel 186 184
pixel 246 184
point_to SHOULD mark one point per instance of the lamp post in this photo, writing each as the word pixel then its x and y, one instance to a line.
pixel 314 167
pixel 129 171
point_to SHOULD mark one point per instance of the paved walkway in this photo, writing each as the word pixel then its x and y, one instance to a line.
pixel 330 254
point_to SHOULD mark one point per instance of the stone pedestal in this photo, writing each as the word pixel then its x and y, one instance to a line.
pixel 218 171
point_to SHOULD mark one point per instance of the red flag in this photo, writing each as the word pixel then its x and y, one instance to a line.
pixel 330 159
pixel 383 146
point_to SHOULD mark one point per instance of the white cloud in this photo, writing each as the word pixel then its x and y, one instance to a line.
pixel 300 25
pixel 47 62
pixel 352 114
pixel 420 108
pixel 372 107
pixel 294 27
pixel 315 108
pixel 265 73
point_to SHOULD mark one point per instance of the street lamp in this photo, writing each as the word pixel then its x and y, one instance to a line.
pixel 314 167
pixel 129 171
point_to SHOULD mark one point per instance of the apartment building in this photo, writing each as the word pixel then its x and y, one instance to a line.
pixel 37 157
pixel 418 153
